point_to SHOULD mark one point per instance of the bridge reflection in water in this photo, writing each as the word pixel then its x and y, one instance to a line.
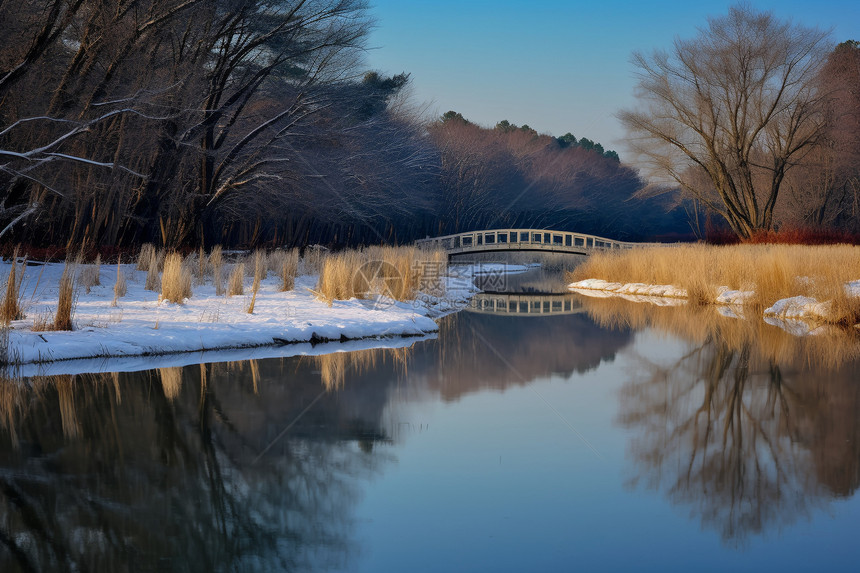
pixel 525 304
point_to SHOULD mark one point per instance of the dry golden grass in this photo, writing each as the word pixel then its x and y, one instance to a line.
pixel 67 298
pixel 10 306
pixel 773 272
pixel 395 272
pixel 286 264
pixel 235 285
pixel 337 275
pixel 147 252
pixel 260 268
pixel 119 288
pixel 175 280
pixel 312 259
pixel 152 280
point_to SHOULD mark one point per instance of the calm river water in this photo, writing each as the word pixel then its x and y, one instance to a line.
pixel 534 434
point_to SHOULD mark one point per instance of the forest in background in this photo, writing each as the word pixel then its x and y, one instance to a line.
pixel 254 123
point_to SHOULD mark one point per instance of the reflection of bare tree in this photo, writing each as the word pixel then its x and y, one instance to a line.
pixel 737 437
pixel 184 463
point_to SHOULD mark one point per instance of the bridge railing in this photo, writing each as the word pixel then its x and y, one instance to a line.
pixel 513 239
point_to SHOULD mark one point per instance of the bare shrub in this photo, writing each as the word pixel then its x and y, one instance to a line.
pixel 175 280
pixel 236 285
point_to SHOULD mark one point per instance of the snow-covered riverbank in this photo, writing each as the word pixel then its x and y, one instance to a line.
pixel 793 308
pixel 142 325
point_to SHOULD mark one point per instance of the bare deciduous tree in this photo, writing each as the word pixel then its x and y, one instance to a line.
pixel 738 102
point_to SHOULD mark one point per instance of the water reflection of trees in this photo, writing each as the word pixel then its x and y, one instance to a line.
pixel 752 428
pixel 481 352
pixel 478 352
pixel 180 470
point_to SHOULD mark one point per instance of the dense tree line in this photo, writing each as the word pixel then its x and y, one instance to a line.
pixel 250 121
pixel 512 176
pixel 186 120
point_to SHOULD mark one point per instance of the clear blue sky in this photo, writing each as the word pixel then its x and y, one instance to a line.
pixel 555 65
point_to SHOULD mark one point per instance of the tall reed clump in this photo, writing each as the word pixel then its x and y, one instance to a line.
pixel 175 280
pixel 260 267
pixel 312 259
pixel 119 288
pixel 67 297
pixel 235 285
pixel 216 261
pixel 10 307
pixel 152 279
pixel 147 252
pixel 771 272
pixel 398 273
pixel 286 265
pixel 340 279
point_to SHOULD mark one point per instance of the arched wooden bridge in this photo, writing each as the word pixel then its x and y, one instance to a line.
pixel 524 304
pixel 523 240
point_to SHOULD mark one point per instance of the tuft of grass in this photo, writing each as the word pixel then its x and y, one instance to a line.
pixel 772 271
pixel 286 264
pixel 175 280
pixel 119 288
pixel 395 272
pixel 147 251
pixel 152 282
pixel 312 259
pixel 339 277
pixel 260 264
pixel 67 298
pixel 10 307
pixel 235 285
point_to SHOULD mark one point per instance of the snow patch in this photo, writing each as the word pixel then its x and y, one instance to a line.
pixel 141 325
pixel 640 289
pixel 798 307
